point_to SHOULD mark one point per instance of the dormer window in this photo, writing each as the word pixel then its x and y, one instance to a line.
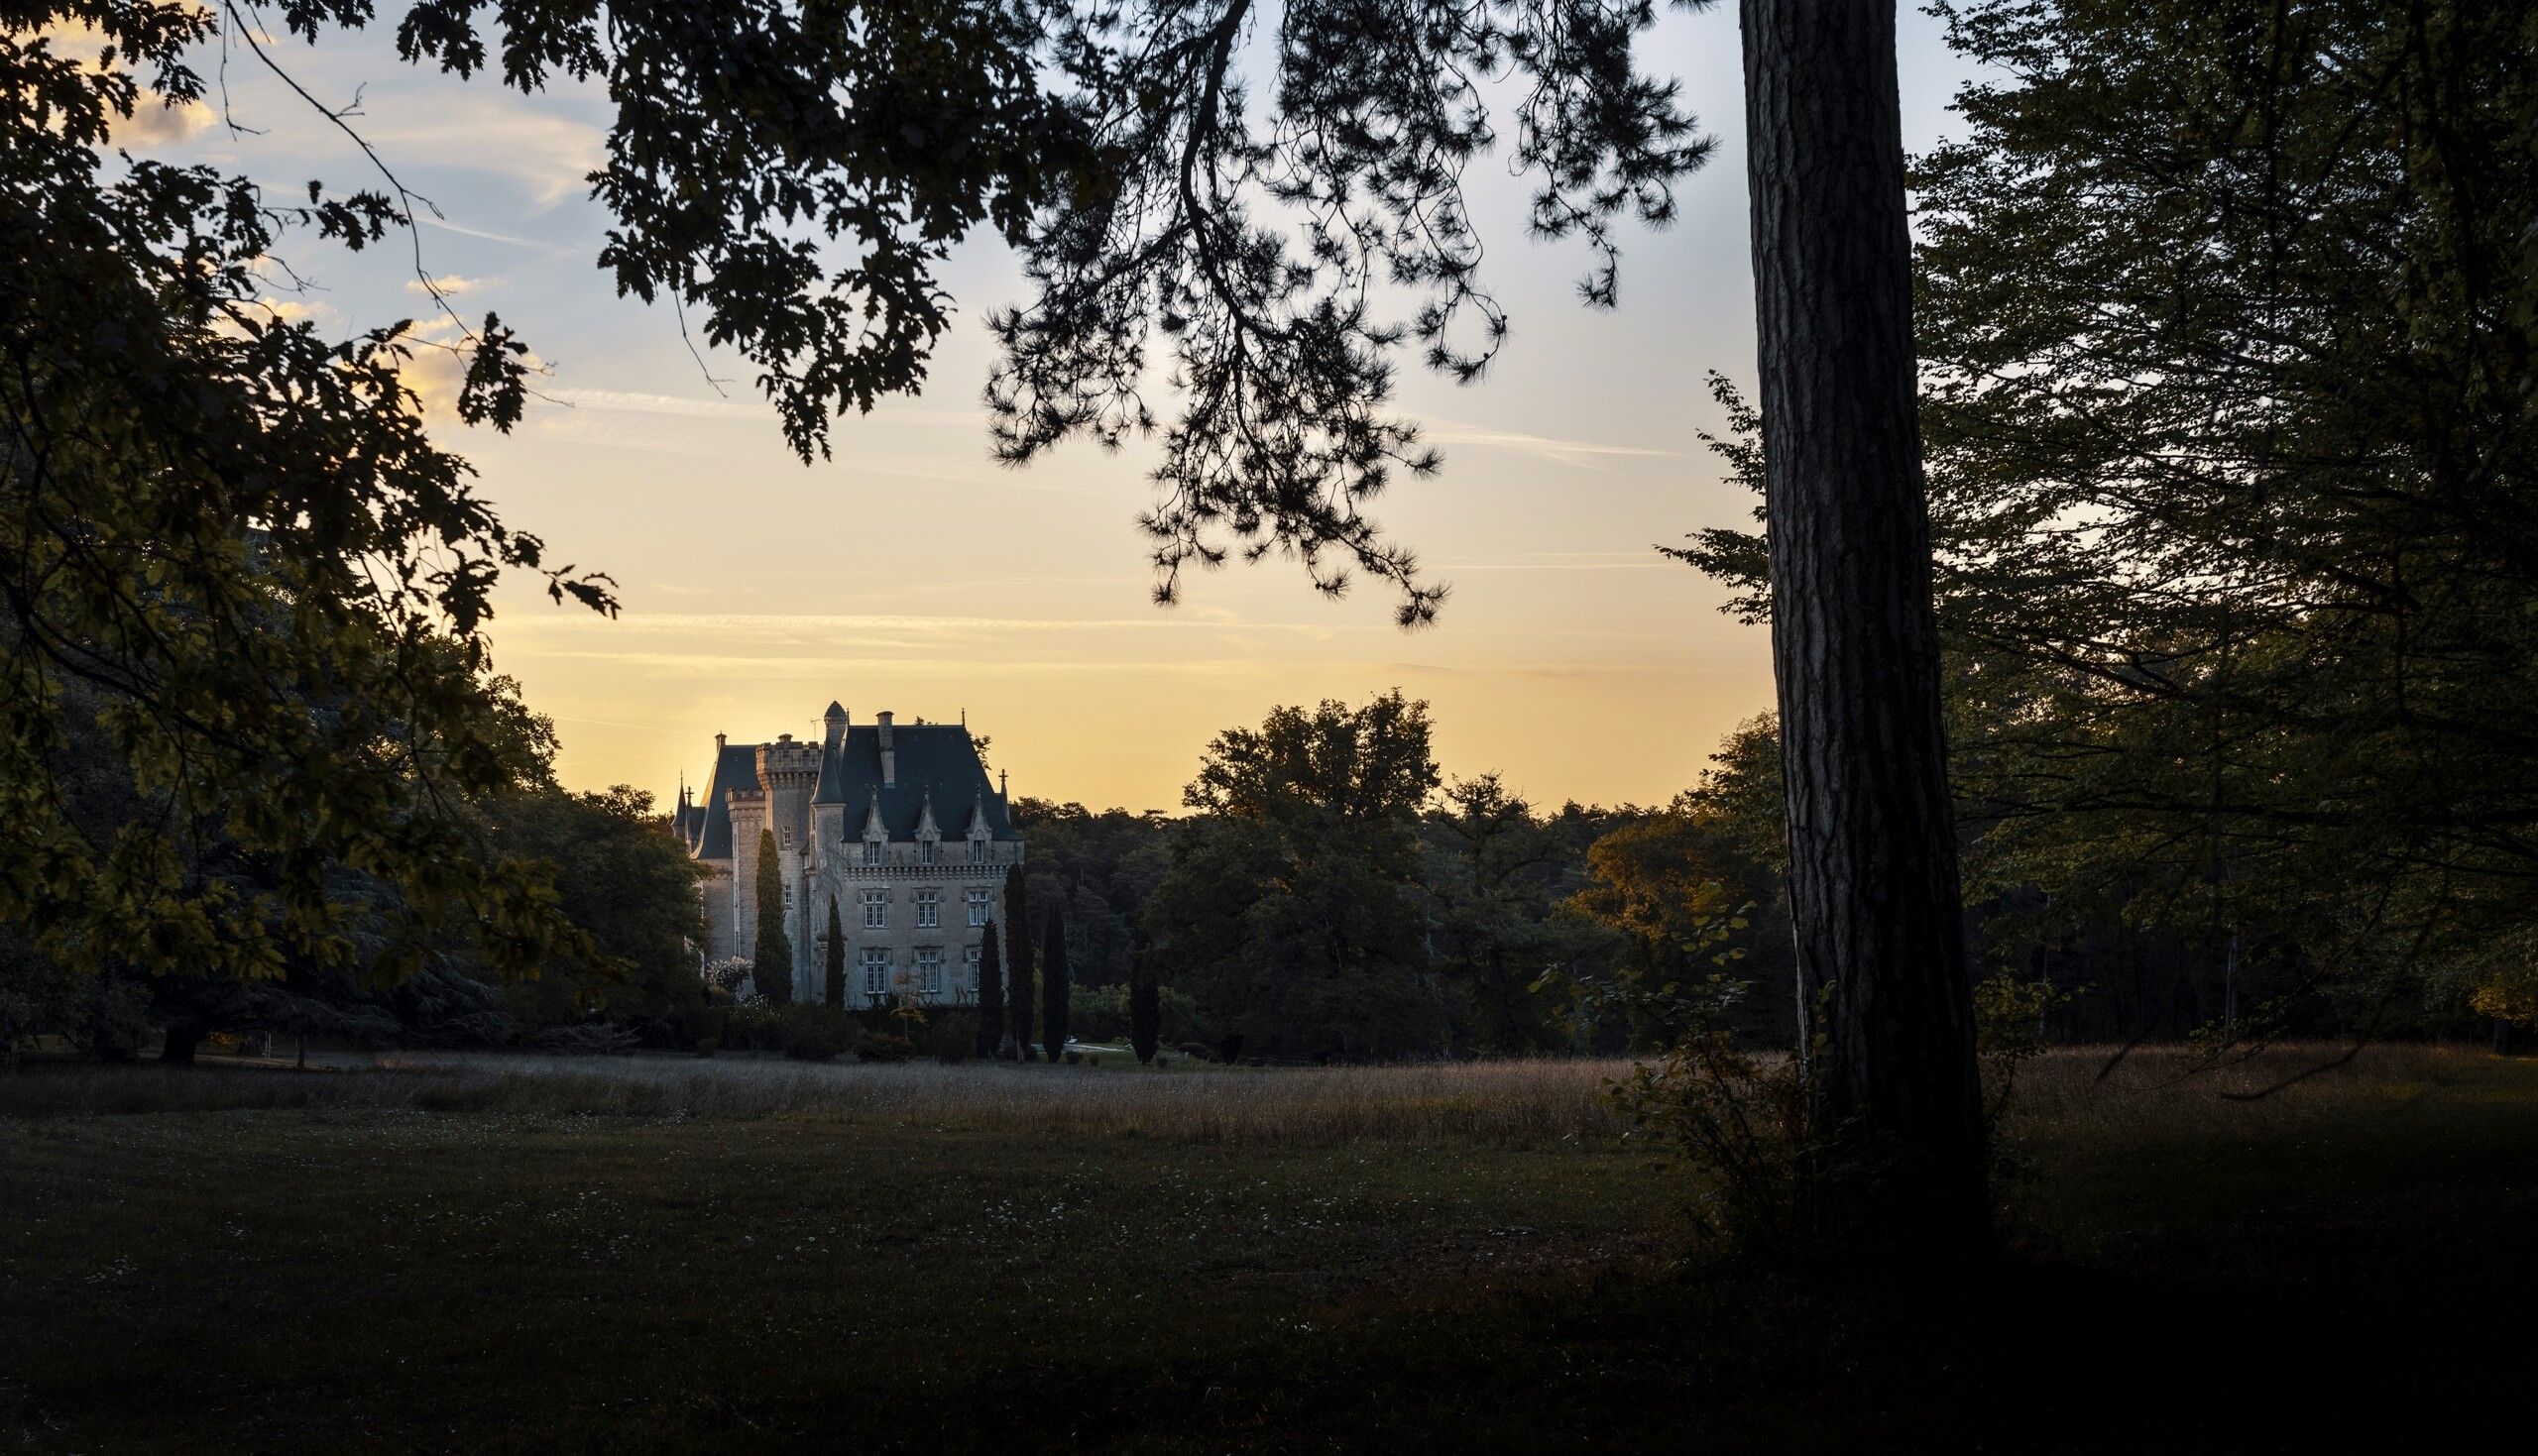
pixel 925 852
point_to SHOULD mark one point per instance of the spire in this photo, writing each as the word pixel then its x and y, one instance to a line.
pixel 926 829
pixel 874 829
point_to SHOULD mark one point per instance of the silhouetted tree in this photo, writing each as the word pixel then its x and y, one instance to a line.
pixel 991 992
pixel 772 967
pixel 1288 903
pixel 1145 1008
pixel 833 958
pixel 1017 970
pixel 1053 989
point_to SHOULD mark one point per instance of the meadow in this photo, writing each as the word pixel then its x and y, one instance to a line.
pixel 496 1253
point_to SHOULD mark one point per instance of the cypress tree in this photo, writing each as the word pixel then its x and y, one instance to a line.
pixel 1145 1009
pixel 1017 963
pixel 771 966
pixel 836 960
pixel 991 993
pixel 1054 988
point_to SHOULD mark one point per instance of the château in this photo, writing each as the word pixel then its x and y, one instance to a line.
pixel 897 824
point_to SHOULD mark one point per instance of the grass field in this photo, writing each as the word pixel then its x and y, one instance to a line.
pixel 518 1254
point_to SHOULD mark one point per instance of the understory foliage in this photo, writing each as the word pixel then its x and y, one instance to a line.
pixel 1737 1117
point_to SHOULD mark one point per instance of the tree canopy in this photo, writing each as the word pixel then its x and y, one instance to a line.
pixel 239 531
pixel 2228 316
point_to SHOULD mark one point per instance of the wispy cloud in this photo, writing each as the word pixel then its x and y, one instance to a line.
pixel 826 628
pixel 1563 561
pixel 677 406
pixel 450 284
pixel 550 156
pixel 465 230
pixel 1584 453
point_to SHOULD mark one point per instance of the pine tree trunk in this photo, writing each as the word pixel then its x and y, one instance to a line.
pixel 1872 877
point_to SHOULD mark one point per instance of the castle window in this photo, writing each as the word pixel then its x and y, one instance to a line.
pixel 929 968
pixel 971 959
pixel 929 909
pixel 876 909
pixel 876 972
pixel 925 852
pixel 979 906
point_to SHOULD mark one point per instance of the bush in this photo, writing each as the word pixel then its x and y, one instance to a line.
pixel 753 1026
pixel 814 1033
pixel 885 1046
pixel 1102 1014
pixel 1074 1058
pixel 950 1036
pixel 708 1046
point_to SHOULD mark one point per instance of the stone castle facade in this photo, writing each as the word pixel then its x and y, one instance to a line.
pixel 895 824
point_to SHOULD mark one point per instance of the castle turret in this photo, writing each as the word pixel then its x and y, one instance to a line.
pixel 789 771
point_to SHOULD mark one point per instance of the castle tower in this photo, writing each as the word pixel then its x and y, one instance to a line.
pixel 789 771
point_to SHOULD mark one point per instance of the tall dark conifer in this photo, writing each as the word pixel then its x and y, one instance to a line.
pixel 1017 970
pixel 1145 1008
pixel 1872 836
pixel 771 964
pixel 833 958
pixel 991 993
pixel 1055 989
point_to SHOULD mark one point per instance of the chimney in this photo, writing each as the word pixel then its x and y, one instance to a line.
pixel 890 755
pixel 718 742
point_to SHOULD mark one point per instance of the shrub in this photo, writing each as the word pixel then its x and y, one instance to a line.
pixel 1145 1013
pixel 814 1032
pixel 755 1026
pixel 1074 1058
pixel 1737 1119
pixel 708 1046
pixel 885 1046
pixel 950 1036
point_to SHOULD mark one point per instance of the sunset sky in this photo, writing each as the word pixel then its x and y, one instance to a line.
pixel 915 575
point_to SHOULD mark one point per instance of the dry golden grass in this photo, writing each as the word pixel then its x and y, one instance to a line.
pixel 2083 1094
pixel 1490 1102
pixel 2092 1093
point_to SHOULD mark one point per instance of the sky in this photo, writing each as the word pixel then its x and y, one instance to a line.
pixel 913 573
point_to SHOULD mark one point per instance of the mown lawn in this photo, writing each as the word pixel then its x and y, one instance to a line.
pixel 2351 1259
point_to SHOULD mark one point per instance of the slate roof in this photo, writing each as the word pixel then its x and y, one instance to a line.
pixel 932 757
pixel 735 768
